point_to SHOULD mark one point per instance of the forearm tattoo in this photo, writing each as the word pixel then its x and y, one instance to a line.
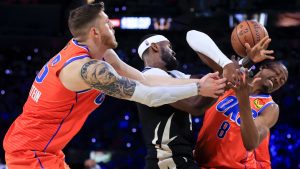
pixel 100 75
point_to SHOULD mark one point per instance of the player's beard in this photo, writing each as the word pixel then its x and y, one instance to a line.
pixel 169 59
pixel 265 87
pixel 109 41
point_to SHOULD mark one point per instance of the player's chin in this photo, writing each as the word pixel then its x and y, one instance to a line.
pixel 267 88
pixel 114 45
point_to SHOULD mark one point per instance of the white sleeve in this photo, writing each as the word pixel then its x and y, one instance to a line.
pixel 202 43
pixel 161 95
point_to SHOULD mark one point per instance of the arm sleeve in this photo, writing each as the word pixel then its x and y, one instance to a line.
pixel 202 43
pixel 160 95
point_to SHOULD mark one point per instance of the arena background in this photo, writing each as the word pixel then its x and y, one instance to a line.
pixel 32 31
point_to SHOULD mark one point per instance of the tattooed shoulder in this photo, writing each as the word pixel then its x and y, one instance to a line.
pixel 102 76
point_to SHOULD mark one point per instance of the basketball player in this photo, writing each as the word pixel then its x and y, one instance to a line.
pixel 74 83
pixel 167 129
pixel 235 132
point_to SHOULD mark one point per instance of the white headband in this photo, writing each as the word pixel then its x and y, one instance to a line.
pixel 147 43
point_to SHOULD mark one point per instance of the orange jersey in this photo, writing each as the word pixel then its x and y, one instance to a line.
pixel 52 114
pixel 219 143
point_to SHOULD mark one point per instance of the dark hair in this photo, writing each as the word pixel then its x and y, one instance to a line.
pixel 272 65
pixel 144 38
pixel 81 17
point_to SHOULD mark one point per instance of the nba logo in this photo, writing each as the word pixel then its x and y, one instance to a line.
pixel 147 43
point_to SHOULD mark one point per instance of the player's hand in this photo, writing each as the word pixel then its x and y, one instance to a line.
pixel 211 85
pixel 259 52
pixel 242 87
pixel 230 69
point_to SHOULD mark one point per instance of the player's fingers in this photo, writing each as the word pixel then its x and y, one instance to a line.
pixel 219 92
pixel 234 78
pixel 240 72
pixel 265 45
pixel 221 81
pixel 248 47
pixel 269 51
pixel 213 75
pixel 239 78
pixel 232 57
pixel 221 86
pixel 231 85
pixel 245 76
pixel 262 41
pixel 269 57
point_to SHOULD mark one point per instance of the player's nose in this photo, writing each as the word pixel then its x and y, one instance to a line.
pixel 111 25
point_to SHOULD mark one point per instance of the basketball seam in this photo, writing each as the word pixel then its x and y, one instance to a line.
pixel 239 39
pixel 251 33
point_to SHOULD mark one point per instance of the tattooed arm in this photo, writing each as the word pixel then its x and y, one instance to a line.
pixel 100 75
pixel 89 73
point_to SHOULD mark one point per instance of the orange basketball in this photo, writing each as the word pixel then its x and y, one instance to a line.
pixel 246 32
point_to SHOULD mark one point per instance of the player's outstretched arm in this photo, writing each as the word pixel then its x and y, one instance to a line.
pixel 101 75
pixel 211 55
pixel 126 70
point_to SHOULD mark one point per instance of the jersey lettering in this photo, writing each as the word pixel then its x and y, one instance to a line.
pixel 56 60
pixel 99 99
pixel 229 107
pixel 42 74
pixel 35 94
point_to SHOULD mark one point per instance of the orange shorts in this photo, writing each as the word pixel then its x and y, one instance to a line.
pixel 35 160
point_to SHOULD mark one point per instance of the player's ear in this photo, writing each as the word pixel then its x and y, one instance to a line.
pixel 154 47
pixel 94 31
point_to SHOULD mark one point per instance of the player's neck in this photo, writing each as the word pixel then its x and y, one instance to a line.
pixel 255 91
pixel 155 65
pixel 96 51
pixel 151 61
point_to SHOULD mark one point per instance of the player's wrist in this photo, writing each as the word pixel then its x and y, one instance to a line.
pixel 246 62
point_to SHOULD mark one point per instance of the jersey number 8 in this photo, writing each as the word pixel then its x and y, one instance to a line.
pixel 223 129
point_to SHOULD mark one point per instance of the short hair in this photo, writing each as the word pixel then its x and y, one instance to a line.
pixel 270 64
pixel 82 17
pixel 142 40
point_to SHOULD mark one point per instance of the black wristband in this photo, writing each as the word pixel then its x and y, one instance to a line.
pixel 247 62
